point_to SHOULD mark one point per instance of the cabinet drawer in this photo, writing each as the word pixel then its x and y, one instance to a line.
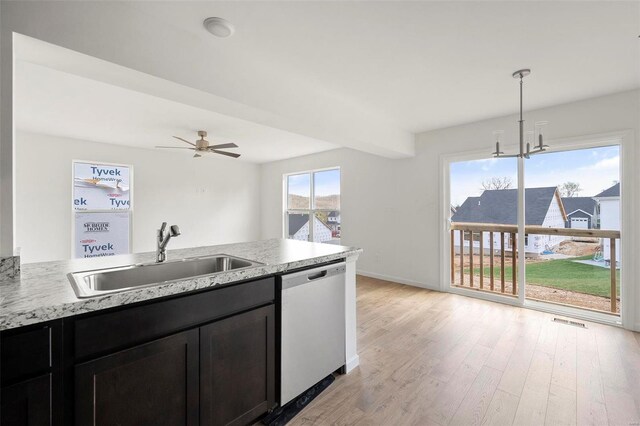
pixel 26 354
pixel 123 328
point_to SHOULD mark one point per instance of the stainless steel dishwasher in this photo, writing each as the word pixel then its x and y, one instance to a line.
pixel 313 328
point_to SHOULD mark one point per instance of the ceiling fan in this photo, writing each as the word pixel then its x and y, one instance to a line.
pixel 202 145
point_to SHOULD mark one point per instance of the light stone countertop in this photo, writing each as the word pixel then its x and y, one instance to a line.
pixel 43 291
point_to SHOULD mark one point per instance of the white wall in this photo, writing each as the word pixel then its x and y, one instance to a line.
pixel 161 49
pixel 553 219
pixel 610 219
pixel 393 209
pixel 213 200
pixel 373 207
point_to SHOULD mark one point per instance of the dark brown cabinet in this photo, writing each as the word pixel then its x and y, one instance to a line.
pixel 203 358
pixel 152 384
pixel 30 363
pixel 27 403
pixel 237 368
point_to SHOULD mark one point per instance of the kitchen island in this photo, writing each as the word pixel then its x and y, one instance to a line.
pixel 201 336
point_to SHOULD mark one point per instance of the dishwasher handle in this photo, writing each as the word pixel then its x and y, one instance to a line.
pixel 311 275
pixel 316 276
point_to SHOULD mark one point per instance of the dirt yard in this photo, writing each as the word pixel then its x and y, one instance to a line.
pixel 577 248
pixel 546 294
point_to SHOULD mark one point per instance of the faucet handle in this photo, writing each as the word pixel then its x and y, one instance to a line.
pixel 174 231
pixel 162 227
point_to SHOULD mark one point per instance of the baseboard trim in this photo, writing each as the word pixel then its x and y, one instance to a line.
pixel 352 363
pixel 397 280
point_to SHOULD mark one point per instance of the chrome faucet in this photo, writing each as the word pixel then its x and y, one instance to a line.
pixel 163 240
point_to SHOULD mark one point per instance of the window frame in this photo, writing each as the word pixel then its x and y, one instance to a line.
pixel 312 210
pixel 625 140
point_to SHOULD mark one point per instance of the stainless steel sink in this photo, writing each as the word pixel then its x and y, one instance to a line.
pixel 113 280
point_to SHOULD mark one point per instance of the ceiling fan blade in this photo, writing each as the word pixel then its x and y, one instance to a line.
pixel 224 145
pixel 229 154
pixel 174 147
pixel 184 140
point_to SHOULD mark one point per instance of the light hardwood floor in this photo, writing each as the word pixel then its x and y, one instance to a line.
pixel 430 358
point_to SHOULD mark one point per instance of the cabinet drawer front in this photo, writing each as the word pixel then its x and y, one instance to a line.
pixel 120 329
pixel 25 354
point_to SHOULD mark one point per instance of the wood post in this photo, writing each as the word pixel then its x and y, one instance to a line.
pixel 462 257
pixel 481 235
pixel 612 264
pixel 471 258
pixel 453 257
pixel 502 262
pixel 514 251
pixel 491 260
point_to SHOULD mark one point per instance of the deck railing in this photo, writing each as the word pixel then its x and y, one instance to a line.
pixel 508 253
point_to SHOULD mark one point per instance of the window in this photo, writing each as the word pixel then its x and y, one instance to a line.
pixel 101 209
pixel 476 236
pixel 313 197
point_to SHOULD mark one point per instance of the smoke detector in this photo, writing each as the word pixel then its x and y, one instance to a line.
pixel 219 27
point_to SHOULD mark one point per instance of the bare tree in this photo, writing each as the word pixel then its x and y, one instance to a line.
pixel 570 189
pixel 503 182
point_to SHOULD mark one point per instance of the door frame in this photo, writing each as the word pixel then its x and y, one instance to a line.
pixel 628 293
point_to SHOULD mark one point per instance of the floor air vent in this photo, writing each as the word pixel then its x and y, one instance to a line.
pixel 574 323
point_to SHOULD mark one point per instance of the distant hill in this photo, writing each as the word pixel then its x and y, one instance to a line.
pixel 329 202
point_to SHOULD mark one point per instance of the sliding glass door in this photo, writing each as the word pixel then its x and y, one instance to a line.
pixel 573 218
pixel 483 216
pixel 570 253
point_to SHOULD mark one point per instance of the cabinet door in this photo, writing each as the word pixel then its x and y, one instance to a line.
pixel 27 403
pixel 237 368
pixel 150 384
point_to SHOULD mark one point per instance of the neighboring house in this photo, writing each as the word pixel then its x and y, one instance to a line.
pixel 581 212
pixel 609 202
pixel 299 229
pixel 333 222
pixel 452 210
pixel 543 208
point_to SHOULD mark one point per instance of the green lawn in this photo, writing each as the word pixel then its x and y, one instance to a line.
pixel 567 275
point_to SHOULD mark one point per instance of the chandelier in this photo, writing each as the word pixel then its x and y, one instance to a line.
pixel 525 149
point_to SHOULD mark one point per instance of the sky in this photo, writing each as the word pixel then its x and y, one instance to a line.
pixel 595 169
pixel 326 182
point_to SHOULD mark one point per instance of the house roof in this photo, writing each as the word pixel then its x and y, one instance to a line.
pixel 577 214
pixel 333 214
pixel 297 221
pixel 500 206
pixel 614 191
pixel 573 204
